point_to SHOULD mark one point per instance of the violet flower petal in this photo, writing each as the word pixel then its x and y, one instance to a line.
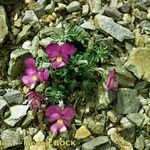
pixel 29 63
pixel 54 109
pixel 30 71
pixel 63 129
pixel 52 47
pixel 56 65
pixel 54 128
pixel 43 75
pixel 68 113
pixel 68 49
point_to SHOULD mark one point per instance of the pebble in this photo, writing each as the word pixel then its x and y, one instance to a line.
pixel 27 45
pixel 85 9
pixel 73 6
pixel 29 16
pixel 82 133
pixel 39 137
pixel 50 7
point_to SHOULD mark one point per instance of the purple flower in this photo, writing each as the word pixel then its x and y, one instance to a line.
pixel 60 54
pixel 111 83
pixel 60 117
pixel 32 74
pixel 35 99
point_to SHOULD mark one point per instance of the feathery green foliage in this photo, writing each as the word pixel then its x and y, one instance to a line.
pixel 71 33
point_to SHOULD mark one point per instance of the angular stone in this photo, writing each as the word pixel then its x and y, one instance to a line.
pixel 29 119
pixel 82 133
pixel 24 33
pixel 124 77
pixel 85 9
pixel 95 5
pixel 3 104
pixel 136 118
pixel 16 62
pixel 29 16
pixel 125 123
pixel 121 143
pixel 50 7
pixel 17 113
pixel 92 144
pixel 127 101
pixel 73 6
pixel 108 25
pixel 88 25
pixel 10 138
pixel 139 63
pixel 97 124
pixel 39 137
pixel 139 143
pixel 3 25
pixel 104 98
pixel 13 97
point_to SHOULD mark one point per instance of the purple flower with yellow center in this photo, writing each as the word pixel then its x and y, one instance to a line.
pixel 111 83
pixel 60 117
pixel 60 54
pixel 32 74
pixel 35 99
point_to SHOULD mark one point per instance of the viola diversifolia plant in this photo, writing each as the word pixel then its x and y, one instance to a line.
pixel 66 66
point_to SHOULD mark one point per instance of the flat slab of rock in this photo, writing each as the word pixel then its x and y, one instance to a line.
pixel 13 97
pixel 3 25
pixel 127 101
pixel 17 113
pixel 92 144
pixel 139 63
pixel 10 138
pixel 108 25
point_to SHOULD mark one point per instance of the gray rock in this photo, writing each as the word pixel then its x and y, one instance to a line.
pixel 29 16
pixel 127 101
pixel 92 144
pixel 113 13
pixel 10 138
pixel 13 97
pixel 97 124
pixel 16 62
pixel 3 104
pixel 24 33
pixel 126 7
pixel 124 77
pixel 145 25
pixel 50 7
pixel 73 6
pixel 139 143
pixel 111 148
pixel 85 9
pixel 138 63
pixel 17 113
pixel 104 98
pixel 29 119
pixel 88 25
pixel 108 25
pixel 3 25
pixel 136 118
pixel 95 5
pixel 2 92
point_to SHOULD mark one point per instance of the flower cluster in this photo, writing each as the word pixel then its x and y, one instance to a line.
pixel 59 56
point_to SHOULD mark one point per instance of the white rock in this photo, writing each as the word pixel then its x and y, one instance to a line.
pixel 88 25
pixel 39 137
pixel 125 123
pixel 85 9
pixel 111 131
pixel 27 45
pixel 17 113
